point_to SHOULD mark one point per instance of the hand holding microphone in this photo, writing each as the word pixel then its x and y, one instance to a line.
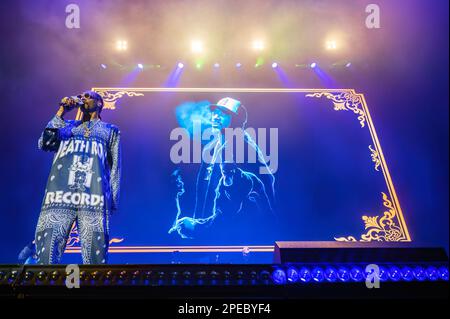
pixel 68 103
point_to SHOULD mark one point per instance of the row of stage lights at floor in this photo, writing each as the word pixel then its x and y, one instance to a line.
pixel 278 275
pixel 238 65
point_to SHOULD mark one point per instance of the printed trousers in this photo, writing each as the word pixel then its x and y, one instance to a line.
pixel 54 227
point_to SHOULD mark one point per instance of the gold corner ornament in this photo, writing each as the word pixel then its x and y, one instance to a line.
pixel 344 101
pixel 382 228
pixel 375 157
pixel 110 99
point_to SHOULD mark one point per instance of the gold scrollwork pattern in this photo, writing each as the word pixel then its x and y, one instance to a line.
pixel 382 228
pixel 110 99
pixel 344 101
pixel 74 239
pixel 375 157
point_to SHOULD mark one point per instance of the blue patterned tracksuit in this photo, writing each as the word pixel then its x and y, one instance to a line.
pixel 83 186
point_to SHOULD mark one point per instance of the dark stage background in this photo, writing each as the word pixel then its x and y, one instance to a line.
pixel 402 68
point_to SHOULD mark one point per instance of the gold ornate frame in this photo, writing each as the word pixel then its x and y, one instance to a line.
pixel 390 226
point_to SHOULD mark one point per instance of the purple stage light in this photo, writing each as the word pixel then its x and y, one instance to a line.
pixel 274 65
pixel 180 65
pixel 313 65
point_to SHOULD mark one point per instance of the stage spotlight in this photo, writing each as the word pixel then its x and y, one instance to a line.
pixel 357 274
pixel 432 273
pixel 103 66
pixel 443 273
pixel 292 274
pixel 317 274
pixel 28 276
pixel 343 274
pixel 54 275
pixel 313 65
pixel 383 274
pixel 395 273
pixel 279 276
pixel 197 46
pixel 216 65
pixel 274 65
pixel 42 275
pixel 121 45
pixel 305 274
pixel 180 65
pixel 407 274
pixel 331 45
pixel 419 273
pixel 140 66
pixel 13 276
pixel 264 275
pixel 331 274
pixel 258 45
pixel 238 65
pixel 349 64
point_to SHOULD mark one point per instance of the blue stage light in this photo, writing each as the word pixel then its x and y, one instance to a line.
pixel 407 274
pixel 383 274
pixel 432 273
pixel 103 66
pixel 419 273
pixel 330 274
pixel 343 274
pixel 317 274
pixel 238 65
pixel 264 275
pixel 279 276
pixel 443 273
pixel 140 66
pixel 305 274
pixel 357 274
pixel 349 64
pixel 274 65
pixel 313 65
pixel 180 65
pixel 395 273
pixel 292 274
pixel 216 65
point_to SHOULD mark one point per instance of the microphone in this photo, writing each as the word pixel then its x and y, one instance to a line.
pixel 76 99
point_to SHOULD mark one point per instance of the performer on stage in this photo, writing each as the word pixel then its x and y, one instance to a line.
pixel 83 184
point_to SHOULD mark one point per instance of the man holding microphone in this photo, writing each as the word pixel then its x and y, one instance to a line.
pixel 83 184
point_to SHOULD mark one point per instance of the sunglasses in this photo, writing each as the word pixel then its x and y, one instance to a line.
pixel 86 95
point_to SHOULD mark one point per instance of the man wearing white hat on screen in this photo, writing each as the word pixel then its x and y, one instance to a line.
pixel 226 113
